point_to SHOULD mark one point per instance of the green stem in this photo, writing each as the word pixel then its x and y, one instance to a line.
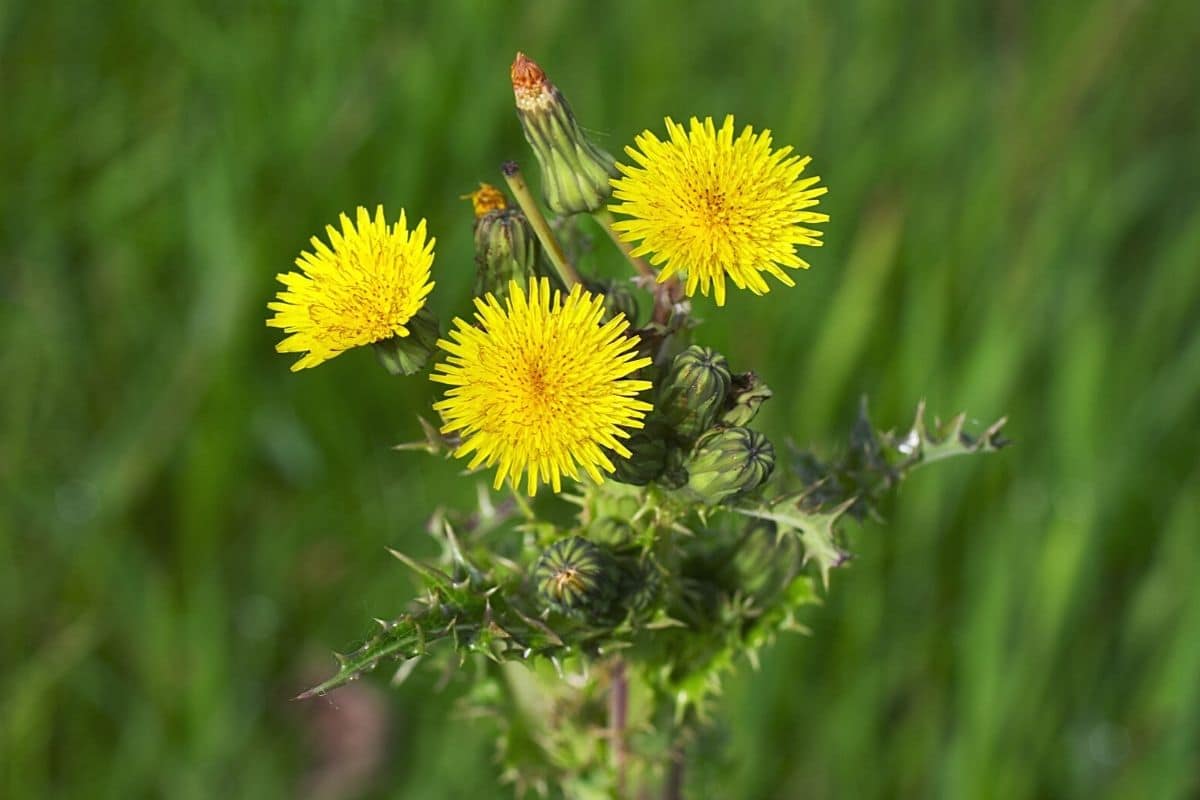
pixel 520 190
pixel 618 709
pixel 666 293
pixel 522 503
pixel 673 785
pixel 605 218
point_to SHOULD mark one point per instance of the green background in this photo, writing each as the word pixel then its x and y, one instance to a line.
pixel 188 528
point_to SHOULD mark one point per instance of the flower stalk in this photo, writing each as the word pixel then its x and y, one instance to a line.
pixel 618 712
pixel 666 292
pixel 520 189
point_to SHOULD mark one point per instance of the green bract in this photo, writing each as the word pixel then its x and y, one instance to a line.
pixel 746 397
pixel 408 355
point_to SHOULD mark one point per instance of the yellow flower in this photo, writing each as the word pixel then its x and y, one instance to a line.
pixel 713 206
pixel 363 289
pixel 540 385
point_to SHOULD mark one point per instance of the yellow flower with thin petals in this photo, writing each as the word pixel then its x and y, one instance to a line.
pixel 540 385
pixel 713 206
pixel 362 288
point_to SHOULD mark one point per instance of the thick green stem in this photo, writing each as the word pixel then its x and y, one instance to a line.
pixel 525 199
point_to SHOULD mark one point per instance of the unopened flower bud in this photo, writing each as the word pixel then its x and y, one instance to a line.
pixel 746 396
pixel 674 474
pixel 575 172
pixel 763 561
pixel 408 355
pixel 648 456
pixel 610 531
pixel 728 463
pixel 694 390
pixel 574 575
pixel 618 299
pixel 640 587
pixel 506 248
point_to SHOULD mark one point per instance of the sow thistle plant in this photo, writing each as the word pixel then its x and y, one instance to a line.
pixel 596 640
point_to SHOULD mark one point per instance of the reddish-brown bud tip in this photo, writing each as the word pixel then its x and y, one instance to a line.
pixel 526 74
pixel 528 80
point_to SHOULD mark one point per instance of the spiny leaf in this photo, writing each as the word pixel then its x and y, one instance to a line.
pixel 435 442
pixel 434 578
pixel 441 527
pixel 404 639
pixel 875 463
pixel 815 529
pixel 921 445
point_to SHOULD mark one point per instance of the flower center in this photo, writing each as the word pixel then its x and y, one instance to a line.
pixel 536 382
pixel 713 208
pixel 567 578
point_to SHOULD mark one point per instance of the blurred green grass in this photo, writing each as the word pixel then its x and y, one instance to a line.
pixel 188 528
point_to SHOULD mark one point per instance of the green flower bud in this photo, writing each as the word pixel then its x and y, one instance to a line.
pixel 575 172
pixel 674 474
pixel 728 463
pixel 694 390
pixel 408 355
pixel 641 586
pixel 746 396
pixel 618 299
pixel 763 561
pixel 648 456
pixel 611 531
pixel 506 248
pixel 574 575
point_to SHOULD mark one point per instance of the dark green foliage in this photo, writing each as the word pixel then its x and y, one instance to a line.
pixel 648 448
pixel 873 463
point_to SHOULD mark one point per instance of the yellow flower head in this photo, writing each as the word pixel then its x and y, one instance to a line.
pixel 713 206
pixel 361 289
pixel 540 385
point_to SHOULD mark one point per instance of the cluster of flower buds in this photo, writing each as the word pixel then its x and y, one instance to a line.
pixel 697 440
